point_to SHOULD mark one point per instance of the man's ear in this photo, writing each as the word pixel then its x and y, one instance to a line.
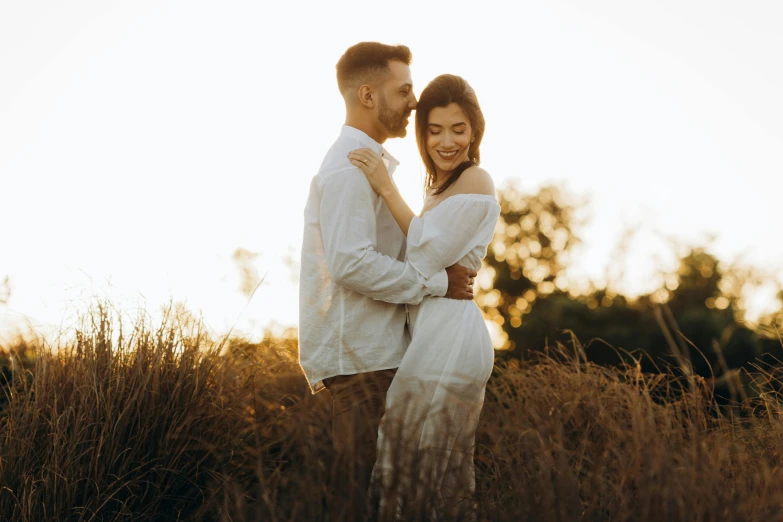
pixel 367 96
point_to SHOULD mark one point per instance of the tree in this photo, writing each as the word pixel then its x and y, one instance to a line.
pixel 5 291
pixel 693 322
pixel 526 257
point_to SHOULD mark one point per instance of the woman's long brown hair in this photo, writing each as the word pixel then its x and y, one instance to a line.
pixel 441 92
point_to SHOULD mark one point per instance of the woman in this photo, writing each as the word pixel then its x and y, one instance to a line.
pixel 438 391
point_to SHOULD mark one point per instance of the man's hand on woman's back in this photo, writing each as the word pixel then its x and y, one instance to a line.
pixel 460 282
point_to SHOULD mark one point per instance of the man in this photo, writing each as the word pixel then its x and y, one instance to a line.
pixel 354 283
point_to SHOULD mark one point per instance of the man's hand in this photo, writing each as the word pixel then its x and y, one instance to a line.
pixel 460 282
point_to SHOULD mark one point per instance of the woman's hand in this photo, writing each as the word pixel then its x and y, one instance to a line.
pixel 375 169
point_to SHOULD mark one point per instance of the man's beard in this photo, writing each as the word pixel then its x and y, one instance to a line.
pixel 394 122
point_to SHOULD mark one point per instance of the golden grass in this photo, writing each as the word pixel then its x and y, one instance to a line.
pixel 164 423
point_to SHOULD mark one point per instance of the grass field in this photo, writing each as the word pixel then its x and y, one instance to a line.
pixel 162 422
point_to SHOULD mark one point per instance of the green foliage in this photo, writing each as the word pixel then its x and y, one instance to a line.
pixel 693 323
pixel 532 239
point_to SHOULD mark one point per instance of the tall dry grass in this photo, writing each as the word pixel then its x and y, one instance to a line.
pixel 164 423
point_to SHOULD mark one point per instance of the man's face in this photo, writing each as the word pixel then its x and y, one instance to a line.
pixel 396 100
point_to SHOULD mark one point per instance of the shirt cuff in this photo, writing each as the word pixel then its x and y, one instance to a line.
pixel 438 284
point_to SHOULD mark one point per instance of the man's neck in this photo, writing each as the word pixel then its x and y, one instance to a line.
pixel 366 127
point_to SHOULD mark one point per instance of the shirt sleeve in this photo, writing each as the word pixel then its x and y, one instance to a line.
pixel 445 234
pixel 349 233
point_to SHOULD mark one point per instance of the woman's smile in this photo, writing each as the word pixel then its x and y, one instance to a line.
pixel 448 155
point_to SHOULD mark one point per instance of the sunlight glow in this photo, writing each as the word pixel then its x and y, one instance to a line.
pixel 156 152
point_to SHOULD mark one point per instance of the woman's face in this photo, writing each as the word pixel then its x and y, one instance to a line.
pixel 448 137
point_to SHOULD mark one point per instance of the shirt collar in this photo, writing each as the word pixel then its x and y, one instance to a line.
pixel 367 141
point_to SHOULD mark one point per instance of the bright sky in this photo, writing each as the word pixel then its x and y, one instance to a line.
pixel 142 143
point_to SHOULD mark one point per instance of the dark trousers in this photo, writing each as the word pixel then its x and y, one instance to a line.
pixel 358 404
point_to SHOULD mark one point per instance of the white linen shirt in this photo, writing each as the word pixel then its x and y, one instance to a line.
pixel 353 282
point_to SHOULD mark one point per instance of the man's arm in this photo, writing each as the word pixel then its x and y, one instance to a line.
pixel 348 230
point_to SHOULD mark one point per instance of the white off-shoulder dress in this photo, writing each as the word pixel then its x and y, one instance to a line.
pixel 438 391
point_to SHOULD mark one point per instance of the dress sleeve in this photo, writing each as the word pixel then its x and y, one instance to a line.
pixel 445 234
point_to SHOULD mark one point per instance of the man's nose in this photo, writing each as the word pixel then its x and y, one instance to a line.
pixel 413 103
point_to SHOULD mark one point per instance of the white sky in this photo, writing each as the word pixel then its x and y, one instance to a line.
pixel 142 142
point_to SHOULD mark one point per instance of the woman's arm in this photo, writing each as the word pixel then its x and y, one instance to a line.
pixel 374 168
pixel 399 208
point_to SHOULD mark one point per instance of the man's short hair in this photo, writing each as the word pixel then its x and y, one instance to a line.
pixel 367 62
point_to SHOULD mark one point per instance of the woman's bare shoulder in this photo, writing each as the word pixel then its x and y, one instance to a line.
pixel 474 180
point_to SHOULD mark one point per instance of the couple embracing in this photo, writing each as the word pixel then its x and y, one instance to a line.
pixel 387 322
